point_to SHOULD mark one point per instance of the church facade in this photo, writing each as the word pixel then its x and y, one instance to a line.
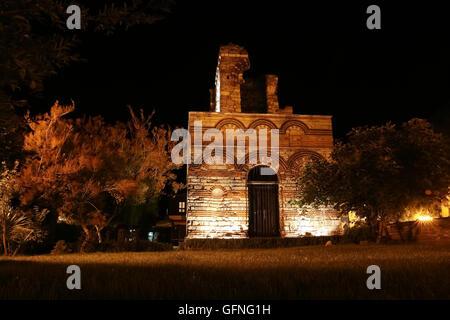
pixel 234 198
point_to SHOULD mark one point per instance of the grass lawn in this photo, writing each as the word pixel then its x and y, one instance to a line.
pixel 310 272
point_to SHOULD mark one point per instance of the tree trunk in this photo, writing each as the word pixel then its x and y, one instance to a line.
pixel 86 239
pixel 4 240
pixel 99 234
pixel 380 231
pixel 20 244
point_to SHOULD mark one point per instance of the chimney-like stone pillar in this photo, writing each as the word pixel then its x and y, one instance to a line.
pixel 212 100
pixel 271 94
pixel 233 61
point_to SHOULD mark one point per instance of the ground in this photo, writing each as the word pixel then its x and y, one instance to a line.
pixel 311 272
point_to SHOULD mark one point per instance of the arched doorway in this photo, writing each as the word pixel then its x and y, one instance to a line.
pixel 263 206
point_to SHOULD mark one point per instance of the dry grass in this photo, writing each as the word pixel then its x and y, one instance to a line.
pixel 318 272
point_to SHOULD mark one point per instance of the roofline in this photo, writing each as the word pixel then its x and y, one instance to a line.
pixel 264 114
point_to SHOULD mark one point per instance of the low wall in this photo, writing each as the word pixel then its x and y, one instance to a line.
pixel 255 243
pixel 434 231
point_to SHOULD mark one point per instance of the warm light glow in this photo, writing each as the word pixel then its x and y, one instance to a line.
pixel 424 218
pixel 218 89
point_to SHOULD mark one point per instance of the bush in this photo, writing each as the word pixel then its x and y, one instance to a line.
pixel 61 247
pixel 357 234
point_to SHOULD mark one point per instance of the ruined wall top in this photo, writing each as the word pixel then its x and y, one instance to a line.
pixel 233 93
pixel 233 50
pixel 232 62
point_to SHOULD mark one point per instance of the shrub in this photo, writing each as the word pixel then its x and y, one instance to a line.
pixel 360 233
pixel 61 247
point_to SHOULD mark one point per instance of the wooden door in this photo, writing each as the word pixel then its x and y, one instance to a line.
pixel 263 210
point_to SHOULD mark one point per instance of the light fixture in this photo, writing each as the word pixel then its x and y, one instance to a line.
pixel 425 218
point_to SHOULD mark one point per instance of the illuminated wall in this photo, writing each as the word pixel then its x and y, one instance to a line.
pixel 217 195
pixel 217 199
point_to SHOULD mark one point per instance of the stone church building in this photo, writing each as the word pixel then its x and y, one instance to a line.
pixel 236 200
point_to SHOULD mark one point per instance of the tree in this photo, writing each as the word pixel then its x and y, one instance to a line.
pixel 12 128
pixel 86 169
pixel 36 44
pixel 440 119
pixel 16 227
pixel 381 172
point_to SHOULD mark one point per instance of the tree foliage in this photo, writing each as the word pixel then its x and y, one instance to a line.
pixel 36 44
pixel 16 227
pixel 381 172
pixel 86 169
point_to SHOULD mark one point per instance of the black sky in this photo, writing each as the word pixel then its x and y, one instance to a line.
pixel 327 61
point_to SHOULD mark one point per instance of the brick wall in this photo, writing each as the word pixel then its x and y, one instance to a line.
pixel 217 200
pixel 217 194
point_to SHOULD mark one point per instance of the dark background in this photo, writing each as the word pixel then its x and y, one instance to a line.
pixel 327 61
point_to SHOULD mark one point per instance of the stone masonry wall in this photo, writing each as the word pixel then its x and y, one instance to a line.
pixel 217 195
pixel 233 61
pixel 217 200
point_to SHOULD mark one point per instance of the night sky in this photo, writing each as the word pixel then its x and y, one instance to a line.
pixel 327 61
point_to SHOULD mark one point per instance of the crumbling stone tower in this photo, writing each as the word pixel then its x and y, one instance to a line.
pixel 230 85
pixel 232 62
pixel 232 199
